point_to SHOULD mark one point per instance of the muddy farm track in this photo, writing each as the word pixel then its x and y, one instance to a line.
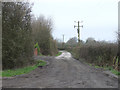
pixel 62 72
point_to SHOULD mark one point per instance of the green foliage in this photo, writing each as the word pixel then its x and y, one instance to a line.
pixel 115 72
pixel 20 32
pixel 97 67
pixel 112 70
pixel 98 54
pixel 41 63
pixel 9 73
pixel 37 46
pixel 17 45
pixel 59 53
pixel 108 68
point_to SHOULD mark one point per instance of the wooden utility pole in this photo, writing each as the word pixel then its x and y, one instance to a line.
pixel 78 30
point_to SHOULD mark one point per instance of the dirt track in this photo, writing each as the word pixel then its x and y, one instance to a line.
pixel 63 72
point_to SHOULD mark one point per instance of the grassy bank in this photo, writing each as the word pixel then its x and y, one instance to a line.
pixel 101 55
pixel 10 73
pixel 108 68
pixel 59 53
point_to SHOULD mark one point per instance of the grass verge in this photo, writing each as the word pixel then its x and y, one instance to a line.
pixel 59 53
pixel 10 73
pixel 110 69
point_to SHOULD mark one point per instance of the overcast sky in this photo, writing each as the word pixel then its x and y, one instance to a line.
pixel 100 17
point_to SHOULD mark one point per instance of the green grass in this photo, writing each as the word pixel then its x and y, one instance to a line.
pixel 41 63
pixel 10 73
pixel 109 68
pixel 41 54
pixel 115 72
pixel 112 70
pixel 90 64
pixel 98 67
pixel 59 53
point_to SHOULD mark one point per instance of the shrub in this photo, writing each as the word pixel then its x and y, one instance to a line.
pixel 17 45
pixel 99 54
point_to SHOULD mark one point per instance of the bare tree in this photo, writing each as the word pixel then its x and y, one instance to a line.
pixel 42 33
